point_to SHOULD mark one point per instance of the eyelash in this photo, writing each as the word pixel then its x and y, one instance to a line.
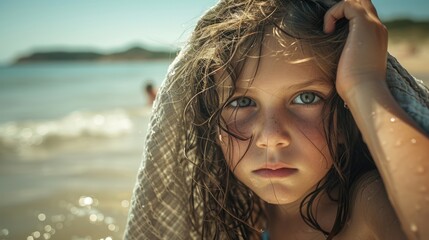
pixel 235 103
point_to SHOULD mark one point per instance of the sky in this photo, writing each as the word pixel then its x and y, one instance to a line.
pixel 112 25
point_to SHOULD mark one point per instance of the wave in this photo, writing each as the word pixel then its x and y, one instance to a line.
pixel 75 126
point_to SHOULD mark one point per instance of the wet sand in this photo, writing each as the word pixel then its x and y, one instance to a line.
pixel 92 204
pixel 69 214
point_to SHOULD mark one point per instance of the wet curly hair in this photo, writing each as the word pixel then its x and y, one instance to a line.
pixel 223 207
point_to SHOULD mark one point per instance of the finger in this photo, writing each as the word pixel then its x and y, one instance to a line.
pixel 348 9
pixel 330 20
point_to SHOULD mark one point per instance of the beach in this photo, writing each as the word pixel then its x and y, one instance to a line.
pixel 71 140
pixel 69 154
pixel 75 189
pixel 414 57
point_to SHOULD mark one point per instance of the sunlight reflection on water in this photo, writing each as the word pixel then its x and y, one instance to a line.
pixel 84 211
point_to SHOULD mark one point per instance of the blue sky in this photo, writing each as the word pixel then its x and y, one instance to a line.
pixel 108 25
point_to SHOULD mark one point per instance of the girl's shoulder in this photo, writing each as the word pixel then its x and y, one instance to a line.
pixel 371 207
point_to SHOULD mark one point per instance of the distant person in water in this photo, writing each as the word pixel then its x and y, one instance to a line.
pixel 150 92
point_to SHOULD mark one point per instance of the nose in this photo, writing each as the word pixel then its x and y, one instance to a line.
pixel 272 132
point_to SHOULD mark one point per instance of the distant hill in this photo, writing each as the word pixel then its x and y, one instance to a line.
pixel 399 30
pixel 134 53
pixel 408 30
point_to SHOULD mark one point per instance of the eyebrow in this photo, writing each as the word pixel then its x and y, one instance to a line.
pixel 311 82
pixel 318 82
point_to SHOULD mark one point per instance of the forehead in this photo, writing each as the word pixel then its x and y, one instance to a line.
pixel 276 58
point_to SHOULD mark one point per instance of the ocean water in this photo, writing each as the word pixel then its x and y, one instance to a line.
pixel 71 138
pixel 44 103
pixel 47 91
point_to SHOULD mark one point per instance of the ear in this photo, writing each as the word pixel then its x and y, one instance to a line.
pixel 220 136
pixel 220 139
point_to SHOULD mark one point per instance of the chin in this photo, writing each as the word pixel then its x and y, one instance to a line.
pixel 279 200
pixel 278 197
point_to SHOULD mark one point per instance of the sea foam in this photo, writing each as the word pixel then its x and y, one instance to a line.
pixel 75 126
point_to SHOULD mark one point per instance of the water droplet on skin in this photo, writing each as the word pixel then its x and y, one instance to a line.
pixel 413 141
pixel 398 143
pixel 392 119
pixel 420 169
pixel 373 114
pixel 413 227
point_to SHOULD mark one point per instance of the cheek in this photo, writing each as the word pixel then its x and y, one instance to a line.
pixel 308 119
pixel 312 129
pixel 314 135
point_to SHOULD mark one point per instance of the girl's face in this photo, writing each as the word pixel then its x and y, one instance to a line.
pixel 278 110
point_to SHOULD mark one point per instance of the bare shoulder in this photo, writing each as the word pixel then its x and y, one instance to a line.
pixel 372 206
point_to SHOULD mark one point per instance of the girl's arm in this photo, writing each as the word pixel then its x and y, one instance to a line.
pixel 400 151
pixel 399 147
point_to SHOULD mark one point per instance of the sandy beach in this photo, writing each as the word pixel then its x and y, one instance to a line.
pixel 415 58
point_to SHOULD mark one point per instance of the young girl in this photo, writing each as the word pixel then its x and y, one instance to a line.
pixel 284 119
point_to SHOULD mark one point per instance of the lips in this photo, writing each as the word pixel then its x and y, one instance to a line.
pixel 275 173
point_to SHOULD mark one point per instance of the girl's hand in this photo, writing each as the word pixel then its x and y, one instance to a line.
pixel 365 53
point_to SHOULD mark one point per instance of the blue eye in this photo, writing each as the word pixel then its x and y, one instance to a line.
pixel 242 102
pixel 307 98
